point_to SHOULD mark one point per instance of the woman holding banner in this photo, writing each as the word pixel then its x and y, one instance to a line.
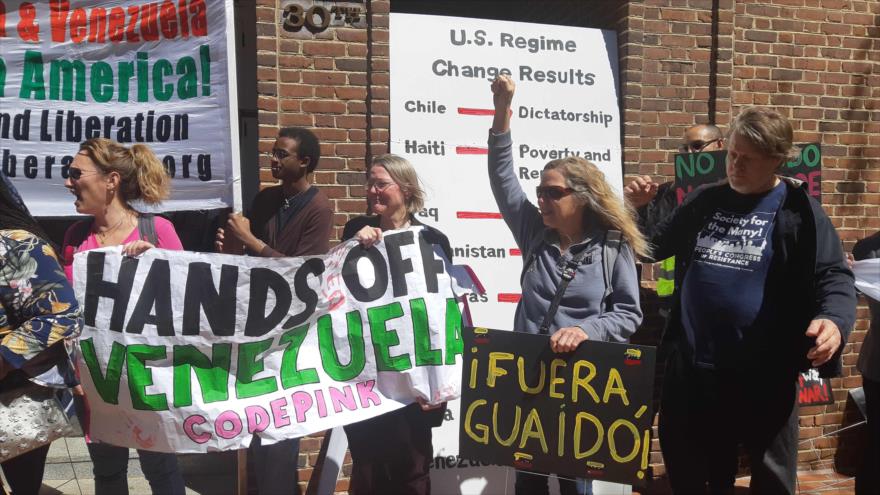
pixel 38 312
pixel 579 278
pixel 106 177
pixel 392 453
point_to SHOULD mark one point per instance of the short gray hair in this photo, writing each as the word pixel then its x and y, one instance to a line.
pixel 404 174
pixel 767 129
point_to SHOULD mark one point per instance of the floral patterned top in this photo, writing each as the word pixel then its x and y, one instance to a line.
pixel 37 304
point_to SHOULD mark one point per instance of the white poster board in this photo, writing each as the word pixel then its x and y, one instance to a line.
pixel 160 74
pixel 566 102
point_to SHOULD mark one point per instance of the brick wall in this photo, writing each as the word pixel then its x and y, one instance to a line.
pixel 817 62
pixel 821 67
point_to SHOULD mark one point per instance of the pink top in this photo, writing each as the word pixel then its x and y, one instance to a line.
pixel 164 232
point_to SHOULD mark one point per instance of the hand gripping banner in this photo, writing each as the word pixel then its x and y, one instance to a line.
pixel 192 352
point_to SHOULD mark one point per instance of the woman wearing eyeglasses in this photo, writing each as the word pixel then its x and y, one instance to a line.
pixel 574 227
pixel 105 177
pixel 392 453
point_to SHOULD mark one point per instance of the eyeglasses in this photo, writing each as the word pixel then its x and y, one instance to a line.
pixel 277 154
pixel 696 146
pixel 553 192
pixel 379 186
pixel 77 173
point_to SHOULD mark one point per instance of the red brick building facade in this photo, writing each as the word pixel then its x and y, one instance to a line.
pixel 681 62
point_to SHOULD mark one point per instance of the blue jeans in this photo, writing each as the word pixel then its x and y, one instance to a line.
pixel 537 484
pixel 111 470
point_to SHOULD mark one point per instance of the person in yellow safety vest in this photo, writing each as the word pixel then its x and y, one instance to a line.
pixel 655 202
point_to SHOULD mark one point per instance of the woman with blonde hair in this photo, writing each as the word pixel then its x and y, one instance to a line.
pixel 105 177
pixel 392 453
pixel 579 278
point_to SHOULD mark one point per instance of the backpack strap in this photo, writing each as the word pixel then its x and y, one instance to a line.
pixel 146 226
pixel 609 256
pixel 529 257
pixel 568 274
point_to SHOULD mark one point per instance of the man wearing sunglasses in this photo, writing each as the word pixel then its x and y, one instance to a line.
pixel 654 202
pixel 290 219
pixel 702 137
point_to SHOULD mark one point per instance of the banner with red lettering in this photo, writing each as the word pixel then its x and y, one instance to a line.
pixel 159 73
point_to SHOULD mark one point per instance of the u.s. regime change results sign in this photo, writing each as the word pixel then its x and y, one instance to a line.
pixel 583 414
pixel 566 104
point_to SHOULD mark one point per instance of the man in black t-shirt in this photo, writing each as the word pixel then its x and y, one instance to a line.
pixel 764 292
pixel 655 203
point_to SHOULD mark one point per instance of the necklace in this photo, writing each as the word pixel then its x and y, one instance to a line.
pixel 288 201
pixel 102 236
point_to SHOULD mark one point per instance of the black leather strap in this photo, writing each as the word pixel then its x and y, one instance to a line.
pixel 568 274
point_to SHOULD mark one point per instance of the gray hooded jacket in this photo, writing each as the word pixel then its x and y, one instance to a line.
pixel 582 305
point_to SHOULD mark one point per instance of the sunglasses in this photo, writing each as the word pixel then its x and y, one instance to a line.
pixel 696 146
pixel 553 192
pixel 77 173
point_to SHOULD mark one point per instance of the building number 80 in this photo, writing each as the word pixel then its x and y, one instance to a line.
pixel 295 17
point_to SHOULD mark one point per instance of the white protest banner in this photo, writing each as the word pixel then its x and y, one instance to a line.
pixel 566 103
pixel 191 352
pixel 159 73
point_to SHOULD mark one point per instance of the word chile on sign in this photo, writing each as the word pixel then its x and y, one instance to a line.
pixel 585 414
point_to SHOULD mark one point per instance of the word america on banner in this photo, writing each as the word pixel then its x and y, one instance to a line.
pixel 157 73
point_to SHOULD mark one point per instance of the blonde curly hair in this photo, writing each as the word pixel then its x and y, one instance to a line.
pixel 593 191
pixel 142 175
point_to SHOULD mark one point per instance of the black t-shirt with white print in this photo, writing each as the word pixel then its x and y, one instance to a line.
pixel 723 290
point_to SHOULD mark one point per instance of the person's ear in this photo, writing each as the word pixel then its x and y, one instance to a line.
pixel 305 162
pixel 113 181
